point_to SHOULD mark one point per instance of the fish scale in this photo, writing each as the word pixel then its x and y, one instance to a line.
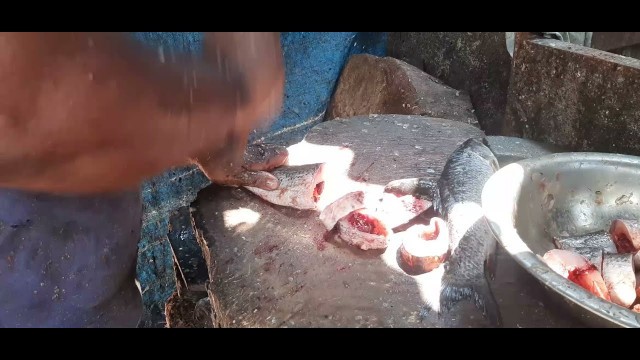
pixel 456 196
pixel 472 243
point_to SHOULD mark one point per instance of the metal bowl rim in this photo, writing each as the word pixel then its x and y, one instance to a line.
pixel 501 223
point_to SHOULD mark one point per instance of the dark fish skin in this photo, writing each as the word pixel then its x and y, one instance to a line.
pixel 472 246
pixel 418 187
pixel 464 175
pixel 600 239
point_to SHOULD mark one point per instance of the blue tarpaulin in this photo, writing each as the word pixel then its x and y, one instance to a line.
pixel 313 63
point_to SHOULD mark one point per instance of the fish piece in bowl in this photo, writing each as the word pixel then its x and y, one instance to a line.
pixel 577 269
pixel 620 278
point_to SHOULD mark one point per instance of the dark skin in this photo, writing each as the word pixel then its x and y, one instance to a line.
pixel 95 112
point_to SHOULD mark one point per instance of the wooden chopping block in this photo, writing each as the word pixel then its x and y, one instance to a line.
pixel 271 266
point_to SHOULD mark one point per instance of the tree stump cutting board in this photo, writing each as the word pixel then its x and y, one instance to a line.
pixel 272 266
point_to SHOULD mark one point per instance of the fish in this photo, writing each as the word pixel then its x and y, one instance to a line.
pixel 389 210
pixel 419 187
pixel 342 207
pixel 397 210
pixel 301 186
pixel 424 247
pixel 593 254
pixel 472 242
pixel 362 229
pixel 599 239
pixel 577 269
pixel 625 235
pixel 456 197
pixel 620 278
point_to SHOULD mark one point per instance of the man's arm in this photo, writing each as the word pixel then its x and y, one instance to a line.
pixel 259 58
pixel 90 112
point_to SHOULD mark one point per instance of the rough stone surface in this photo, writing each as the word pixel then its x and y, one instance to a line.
pixel 476 62
pixel 281 271
pixel 583 99
pixel 272 266
pixel 383 85
pixel 509 149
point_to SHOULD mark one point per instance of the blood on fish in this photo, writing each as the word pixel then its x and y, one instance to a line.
pixel 577 269
pixel 366 224
pixel 625 234
pixel 623 243
pixel 589 279
pixel 341 208
pixel 317 191
pixel 364 229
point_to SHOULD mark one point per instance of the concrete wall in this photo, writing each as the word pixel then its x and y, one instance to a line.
pixel 476 62
pixel 313 64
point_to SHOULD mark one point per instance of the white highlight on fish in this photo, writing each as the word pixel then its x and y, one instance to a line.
pixel 424 247
pixel 620 278
pixel 341 208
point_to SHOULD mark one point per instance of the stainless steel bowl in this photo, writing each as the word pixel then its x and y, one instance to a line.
pixel 529 201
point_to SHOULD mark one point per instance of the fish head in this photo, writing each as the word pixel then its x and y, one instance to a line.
pixel 481 148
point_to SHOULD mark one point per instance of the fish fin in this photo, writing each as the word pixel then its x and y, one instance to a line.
pixel 418 187
pixel 479 293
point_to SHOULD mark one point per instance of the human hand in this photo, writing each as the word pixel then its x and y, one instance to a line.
pixel 253 171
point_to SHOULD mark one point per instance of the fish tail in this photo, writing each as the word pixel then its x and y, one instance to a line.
pixel 480 293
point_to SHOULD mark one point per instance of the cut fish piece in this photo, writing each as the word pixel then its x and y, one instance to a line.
pixel 341 208
pixel 362 229
pixel 620 278
pixel 397 210
pixel 577 269
pixel 626 235
pixel 424 247
pixel 300 187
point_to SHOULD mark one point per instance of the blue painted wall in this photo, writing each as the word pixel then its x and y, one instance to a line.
pixel 313 64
